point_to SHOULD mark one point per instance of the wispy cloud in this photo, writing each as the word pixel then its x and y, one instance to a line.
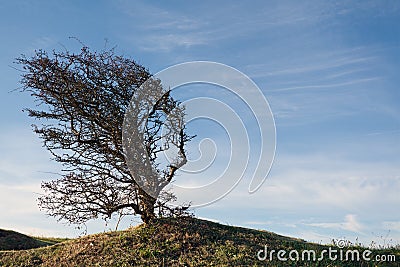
pixel 396 131
pixel 306 189
pixel 350 223
pixel 167 42
pixel 166 29
pixel 336 64
pixel 332 85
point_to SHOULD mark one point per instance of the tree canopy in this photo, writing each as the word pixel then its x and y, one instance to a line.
pixel 98 112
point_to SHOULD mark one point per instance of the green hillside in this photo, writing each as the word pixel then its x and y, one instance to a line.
pixel 10 240
pixel 174 242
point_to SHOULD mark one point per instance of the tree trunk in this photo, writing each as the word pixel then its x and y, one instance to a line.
pixel 147 203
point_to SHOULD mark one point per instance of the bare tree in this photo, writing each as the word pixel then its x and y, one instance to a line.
pixel 87 102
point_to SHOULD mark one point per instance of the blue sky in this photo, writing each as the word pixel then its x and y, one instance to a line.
pixel 330 71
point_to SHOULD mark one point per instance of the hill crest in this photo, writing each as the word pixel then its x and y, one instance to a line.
pixel 182 241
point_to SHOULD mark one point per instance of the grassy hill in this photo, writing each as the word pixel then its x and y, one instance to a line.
pixel 174 242
pixel 10 240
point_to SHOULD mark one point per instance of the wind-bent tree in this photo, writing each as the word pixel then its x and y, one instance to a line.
pixel 82 101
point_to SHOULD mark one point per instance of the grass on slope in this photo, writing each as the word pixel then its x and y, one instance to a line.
pixel 172 242
pixel 10 240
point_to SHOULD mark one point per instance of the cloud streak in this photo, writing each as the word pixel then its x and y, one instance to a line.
pixel 350 223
